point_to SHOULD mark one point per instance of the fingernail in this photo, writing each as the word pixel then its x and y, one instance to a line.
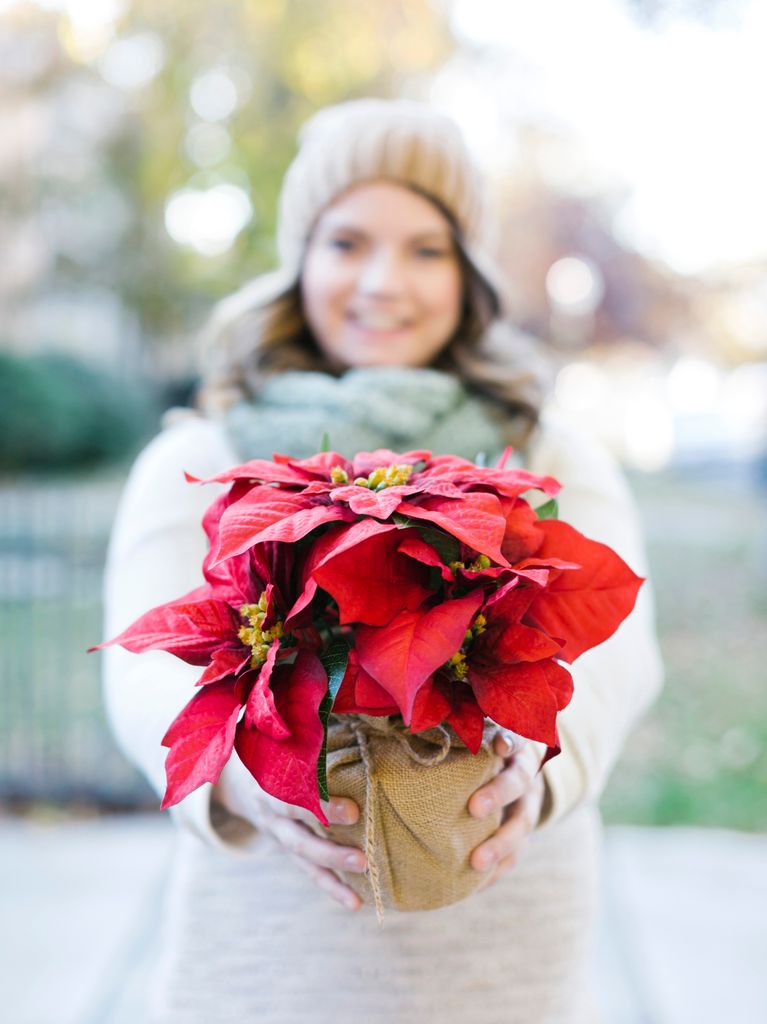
pixel 486 858
pixel 482 805
pixel 351 901
pixel 355 861
pixel 341 813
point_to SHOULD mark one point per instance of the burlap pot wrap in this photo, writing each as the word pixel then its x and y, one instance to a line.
pixel 412 791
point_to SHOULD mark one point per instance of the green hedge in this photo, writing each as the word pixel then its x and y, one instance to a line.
pixel 57 412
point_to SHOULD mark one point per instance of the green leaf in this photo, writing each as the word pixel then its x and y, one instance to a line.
pixel 435 579
pixel 447 547
pixel 325 443
pixel 550 510
pixel 334 658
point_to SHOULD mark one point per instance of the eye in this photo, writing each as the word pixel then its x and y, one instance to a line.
pixel 431 252
pixel 342 244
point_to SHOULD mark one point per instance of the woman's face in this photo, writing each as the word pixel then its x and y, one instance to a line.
pixel 382 283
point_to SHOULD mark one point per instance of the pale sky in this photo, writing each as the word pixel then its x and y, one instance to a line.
pixel 676 115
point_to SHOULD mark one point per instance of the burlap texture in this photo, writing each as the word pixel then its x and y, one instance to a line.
pixel 412 791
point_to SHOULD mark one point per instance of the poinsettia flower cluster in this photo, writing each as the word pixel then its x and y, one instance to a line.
pixel 389 584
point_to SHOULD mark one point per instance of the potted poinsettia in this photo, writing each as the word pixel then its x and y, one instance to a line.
pixel 424 593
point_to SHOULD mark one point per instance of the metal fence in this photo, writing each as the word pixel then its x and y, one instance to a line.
pixel 54 740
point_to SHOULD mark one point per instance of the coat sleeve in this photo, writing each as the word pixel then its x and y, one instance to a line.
pixel 155 554
pixel 618 680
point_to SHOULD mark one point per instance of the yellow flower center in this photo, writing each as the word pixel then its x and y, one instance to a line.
pixel 259 640
pixel 386 476
pixel 457 666
pixel 338 475
pixel 479 563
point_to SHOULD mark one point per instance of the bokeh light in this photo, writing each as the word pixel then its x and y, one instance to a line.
pixel 693 385
pixel 133 61
pixel 208 220
pixel 648 430
pixel 575 285
pixel 213 95
pixel 581 387
pixel 207 144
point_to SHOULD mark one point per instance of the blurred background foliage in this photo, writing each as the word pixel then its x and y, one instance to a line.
pixel 58 412
pixel 150 144
pixel 141 156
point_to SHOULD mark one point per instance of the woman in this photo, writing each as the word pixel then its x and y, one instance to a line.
pixel 383 328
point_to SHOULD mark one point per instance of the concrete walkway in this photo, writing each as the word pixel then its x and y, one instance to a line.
pixel 684 936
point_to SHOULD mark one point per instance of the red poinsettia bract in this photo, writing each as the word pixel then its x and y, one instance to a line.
pixel 255 682
pixel 286 499
pixel 449 598
pixel 495 652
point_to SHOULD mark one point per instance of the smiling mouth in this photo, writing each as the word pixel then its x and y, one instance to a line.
pixel 378 323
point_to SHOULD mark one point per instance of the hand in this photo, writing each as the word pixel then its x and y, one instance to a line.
pixel 238 791
pixel 518 789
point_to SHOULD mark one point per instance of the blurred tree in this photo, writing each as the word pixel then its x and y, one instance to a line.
pixel 180 119
pixel 238 79
pixel 56 412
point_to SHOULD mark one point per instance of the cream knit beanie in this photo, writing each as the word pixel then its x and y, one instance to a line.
pixel 398 140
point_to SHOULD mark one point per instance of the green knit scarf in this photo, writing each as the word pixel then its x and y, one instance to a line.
pixel 399 408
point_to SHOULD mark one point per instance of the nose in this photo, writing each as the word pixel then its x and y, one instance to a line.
pixel 382 273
